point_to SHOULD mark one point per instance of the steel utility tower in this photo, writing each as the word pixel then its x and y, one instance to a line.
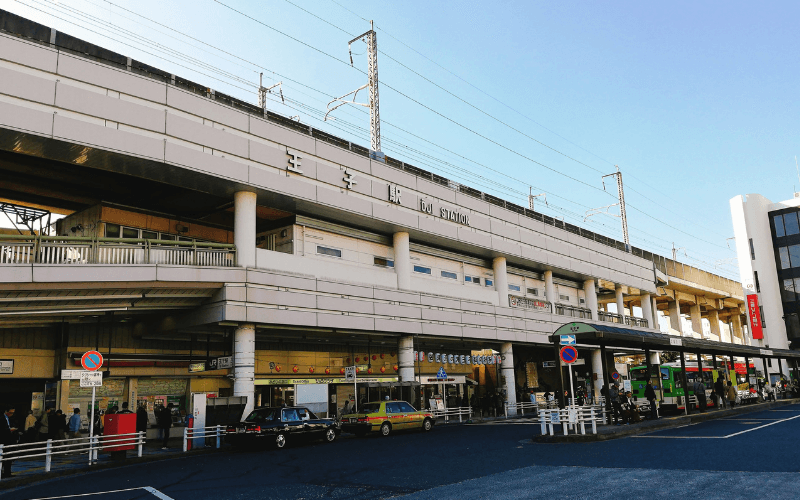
pixel 371 39
pixel 623 215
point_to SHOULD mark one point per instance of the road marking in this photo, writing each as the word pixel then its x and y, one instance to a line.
pixel 721 437
pixel 148 489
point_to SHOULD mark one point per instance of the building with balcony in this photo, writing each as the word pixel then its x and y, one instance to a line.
pixel 202 230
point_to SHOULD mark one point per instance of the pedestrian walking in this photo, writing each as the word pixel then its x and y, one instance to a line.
pixel 770 392
pixel 8 435
pixel 141 419
pixel 719 392
pixel 650 395
pixel 613 395
pixel 731 394
pixel 346 410
pixel 59 426
pixel 74 426
pixel 44 425
pixel 164 420
pixel 29 430
pixel 700 393
pixel 125 409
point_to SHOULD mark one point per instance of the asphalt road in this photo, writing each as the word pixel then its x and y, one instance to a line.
pixel 757 455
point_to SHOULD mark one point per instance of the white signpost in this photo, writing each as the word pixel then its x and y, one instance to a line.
pixel 350 376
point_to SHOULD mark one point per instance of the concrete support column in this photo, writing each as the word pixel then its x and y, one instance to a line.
pixel 402 260
pixel 597 369
pixel 591 297
pixel 713 321
pixel 675 316
pixel 620 302
pixel 696 316
pixel 507 370
pixel 736 322
pixel 244 364
pixel 647 309
pixel 405 358
pixel 655 313
pixel 550 290
pixel 501 281
pixel 244 228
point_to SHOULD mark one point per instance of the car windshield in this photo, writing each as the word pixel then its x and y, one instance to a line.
pixel 639 373
pixel 261 415
pixel 371 408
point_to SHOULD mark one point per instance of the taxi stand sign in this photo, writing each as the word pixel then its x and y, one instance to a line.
pixel 91 379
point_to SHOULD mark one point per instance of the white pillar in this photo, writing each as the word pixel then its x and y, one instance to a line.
pixel 507 370
pixel 620 302
pixel 244 364
pixel 597 369
pixel 550 290
pixel 402 260
pixel 590 292
pixel 697 319
pixel 500 280
pixel 655 313
pixel 713 321
pixel 647 309
pixel 244 227
pixel 675 316
pixel 405 358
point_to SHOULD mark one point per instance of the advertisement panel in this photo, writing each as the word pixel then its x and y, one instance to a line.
pixel 755 316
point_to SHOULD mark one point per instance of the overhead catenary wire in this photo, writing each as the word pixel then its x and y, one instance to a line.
pixel 193 61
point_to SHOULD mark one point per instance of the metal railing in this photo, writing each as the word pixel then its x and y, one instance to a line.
pixel 72 250
pixel 449 413
pixel 521 406
pixel 568 418
pixel 572 311
pixel 84 445
pixel 634 321
pixel 191 434
pixel 609 317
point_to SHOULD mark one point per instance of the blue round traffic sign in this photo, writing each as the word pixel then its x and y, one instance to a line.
pixel 615 375
pixel 568 354
pixel 92 361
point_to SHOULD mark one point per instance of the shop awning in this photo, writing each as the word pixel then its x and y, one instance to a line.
pixel 613 335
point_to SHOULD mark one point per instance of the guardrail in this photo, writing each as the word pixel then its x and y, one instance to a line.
pixel 453 412
pixel 73 250
pixel 521 406
pixel 192 433
pixel 88 445
pixel 572 311
pixel 569 418
pixel 609 317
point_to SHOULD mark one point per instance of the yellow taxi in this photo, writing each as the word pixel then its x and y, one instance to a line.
pixel 386 417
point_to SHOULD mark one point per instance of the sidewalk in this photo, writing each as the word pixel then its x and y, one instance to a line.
pixel 26 471
pixel 606 432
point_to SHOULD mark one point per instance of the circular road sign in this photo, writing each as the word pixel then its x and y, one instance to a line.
pixel 568 354
pixel 92 360
pixel 615 375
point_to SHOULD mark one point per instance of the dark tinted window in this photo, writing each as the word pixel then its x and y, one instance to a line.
pixel 370 408
pixel 393 408
pixel 790 223
pixel 262 415
pixel 112 231
pixel 405 407
pixel 779 231
pixel 290 415
pixel 787 291
pixel 423 270
pixel 333 252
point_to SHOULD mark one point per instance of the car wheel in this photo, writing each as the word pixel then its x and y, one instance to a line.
pixel 280 440
pixel 330 435
pixel 427 425
pixel 386 429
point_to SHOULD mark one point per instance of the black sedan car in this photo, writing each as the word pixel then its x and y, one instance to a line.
pixel 279 425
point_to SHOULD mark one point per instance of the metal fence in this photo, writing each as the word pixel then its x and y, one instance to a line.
pixel 89 446
pixel 74 250
pixel 449 413
pixel 191 434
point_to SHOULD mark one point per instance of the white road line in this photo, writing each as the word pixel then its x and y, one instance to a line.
pixel 720 437
pixel 148 489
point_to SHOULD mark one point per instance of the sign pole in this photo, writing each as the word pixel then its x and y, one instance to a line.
pixel 571 386
pixel 355 388
pixel 91 427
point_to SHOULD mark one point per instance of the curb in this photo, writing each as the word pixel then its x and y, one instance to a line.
pixel 656 426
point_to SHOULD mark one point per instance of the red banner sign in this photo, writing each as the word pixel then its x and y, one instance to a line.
pixel 755 316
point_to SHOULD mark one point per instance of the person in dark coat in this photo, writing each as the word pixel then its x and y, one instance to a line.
pixel 164 423
pixel 719 392
pixel 8 435
pixel 141 419
pixel 650 395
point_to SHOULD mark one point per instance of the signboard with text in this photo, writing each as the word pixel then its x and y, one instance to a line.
pixel 754 313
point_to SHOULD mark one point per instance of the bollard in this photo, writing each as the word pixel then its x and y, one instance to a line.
pixel 219 434
pixel 594 423
pixel 564 425
pixel 141 444
pixel 1 460
pixel 583 422
pixel 542 423
pixel 185 437
pixel 96 447
pixel 459 416
pixel 48 455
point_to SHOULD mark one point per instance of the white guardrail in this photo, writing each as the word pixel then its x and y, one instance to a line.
pixel 572 417
pixel 449 413
pixel 83 445
pixel 190 434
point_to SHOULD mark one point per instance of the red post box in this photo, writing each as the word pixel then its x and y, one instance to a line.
pixel 120 423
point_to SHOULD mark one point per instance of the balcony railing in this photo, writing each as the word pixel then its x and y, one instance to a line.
pixel 572 311
pixel 627 320
pixel 609 317
pixel 634 321
pixel 76 250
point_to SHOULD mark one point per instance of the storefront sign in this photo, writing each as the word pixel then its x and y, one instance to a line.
pixel 329 380
pixel 197 367
pixel 219 363
pixel 526 303
pixel 6 366
pixel 456 359
pixel 755 316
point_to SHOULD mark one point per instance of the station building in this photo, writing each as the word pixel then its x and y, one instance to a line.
pixel 202 229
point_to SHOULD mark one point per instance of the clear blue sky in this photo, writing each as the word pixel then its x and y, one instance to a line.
pixel 695 102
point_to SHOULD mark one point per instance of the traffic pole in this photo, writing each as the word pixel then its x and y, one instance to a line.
pixel 571 386
pixel 91 426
